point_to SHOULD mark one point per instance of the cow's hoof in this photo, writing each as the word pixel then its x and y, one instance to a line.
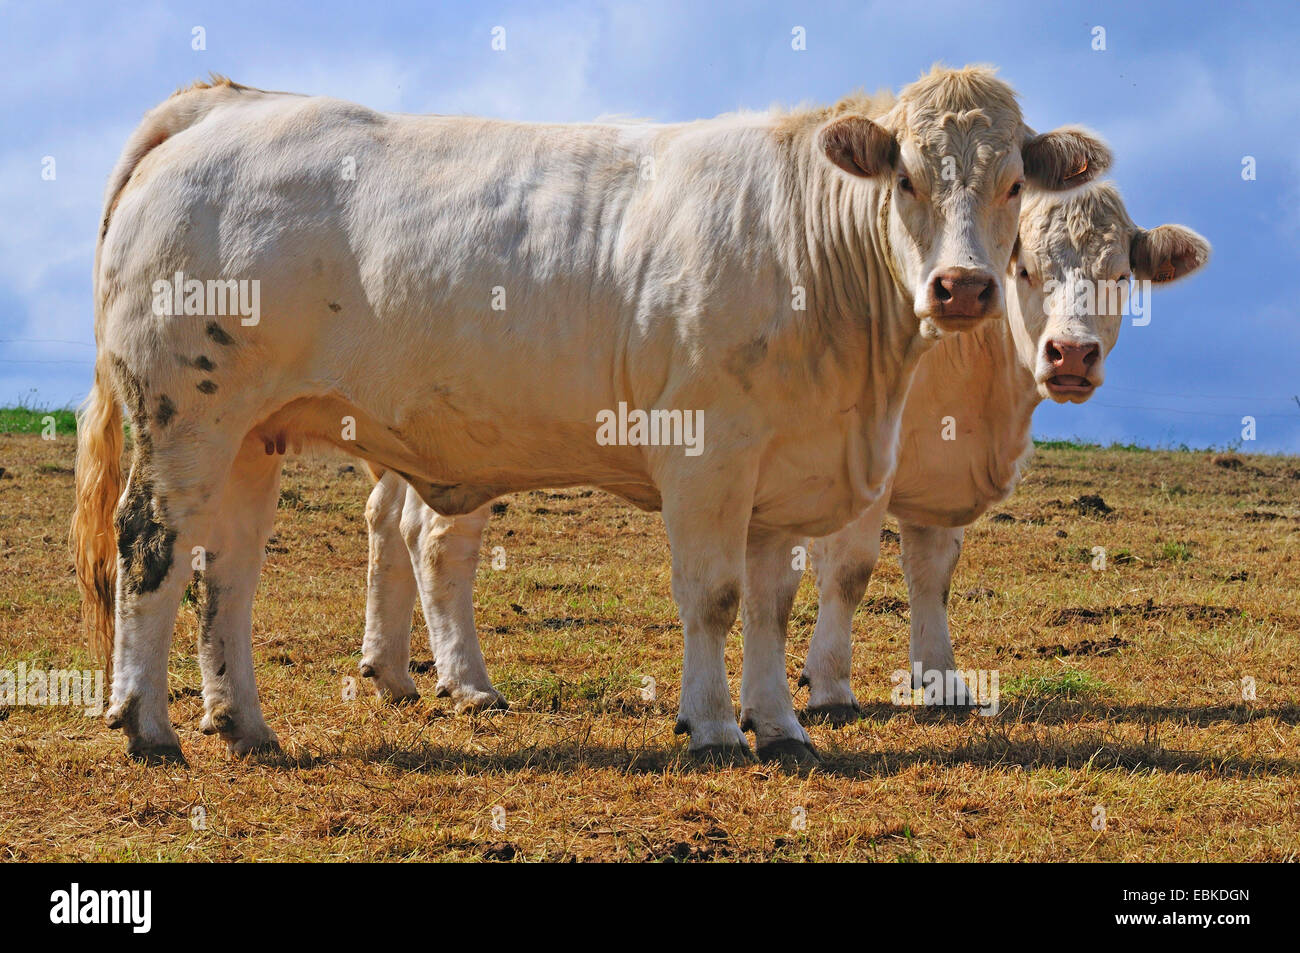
pixel 789 751
pixel 397 697
pixel 218 722
pixel 394 689
pixel 837 716
pixel 493 701
pixel 122 716
pixel 473 701
pixel 253 747
pixel 155 753
pixel 157 746
pixel 929 713
pixel 721 756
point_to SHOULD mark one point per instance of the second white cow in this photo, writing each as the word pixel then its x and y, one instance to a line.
pixel 1074 262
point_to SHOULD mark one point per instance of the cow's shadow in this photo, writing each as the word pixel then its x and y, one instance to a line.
pixel 991 745
pixel 1065 711
pixel 1006 756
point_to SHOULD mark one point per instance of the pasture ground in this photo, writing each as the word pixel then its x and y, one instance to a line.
pixel 1121 689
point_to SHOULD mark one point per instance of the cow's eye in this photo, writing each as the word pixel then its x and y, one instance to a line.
pixel 905 184
pixel 1015 190
pixel 1024 273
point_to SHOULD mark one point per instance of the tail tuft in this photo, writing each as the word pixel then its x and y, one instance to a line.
pixel 93 538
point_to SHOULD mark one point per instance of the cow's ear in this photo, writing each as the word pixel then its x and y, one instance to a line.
pixel 858 146
pixel 1167 252
pixel 1064 158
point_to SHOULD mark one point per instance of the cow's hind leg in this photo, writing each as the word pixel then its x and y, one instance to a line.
pixel 162 516
pixel 225 585
pixel 765 707
pixel 445 551
pixel 390 594
pixel 843 563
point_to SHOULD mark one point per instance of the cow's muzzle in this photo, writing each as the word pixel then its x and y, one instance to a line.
pixel 1071 369
pixel 960 298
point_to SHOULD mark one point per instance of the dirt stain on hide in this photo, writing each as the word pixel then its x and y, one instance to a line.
pixel 144 541
pixel 166 411
pixel 205 605
pixel 853 582
pixel 721 609
pixel 218 334
pixel 744 358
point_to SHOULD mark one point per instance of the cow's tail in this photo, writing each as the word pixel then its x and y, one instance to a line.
pixel 99 484
pixel 93 537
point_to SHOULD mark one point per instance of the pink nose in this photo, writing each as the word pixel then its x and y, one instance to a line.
pixel 1072 359
pixel 963 293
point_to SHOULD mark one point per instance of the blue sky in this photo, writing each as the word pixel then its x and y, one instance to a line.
pixel 1181 96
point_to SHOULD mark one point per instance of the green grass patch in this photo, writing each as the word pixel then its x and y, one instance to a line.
pixel 552 692
pixel 1067 683
pixel 1078 444
pixel 37 420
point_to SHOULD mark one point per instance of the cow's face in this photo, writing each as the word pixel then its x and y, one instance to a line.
pixel 955 156
pixel 1073 270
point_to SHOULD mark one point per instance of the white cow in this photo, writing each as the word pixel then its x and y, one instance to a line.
pixel 979 389
pixel 1073 264
pixel 462 300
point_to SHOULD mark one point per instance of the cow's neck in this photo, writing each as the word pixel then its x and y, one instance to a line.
pixel 861 325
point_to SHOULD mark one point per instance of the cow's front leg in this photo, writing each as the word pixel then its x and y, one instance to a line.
pixel 930 555
pixel 765 706
pixel 445 551
pixel 390 594
pixel 225 586
pixel 843 563
pixel 707 518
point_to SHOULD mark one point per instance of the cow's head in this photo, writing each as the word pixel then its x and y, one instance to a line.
pixel 1073 266
pixel 954 156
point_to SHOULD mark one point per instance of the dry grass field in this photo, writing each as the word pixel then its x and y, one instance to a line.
pixel 1121 689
